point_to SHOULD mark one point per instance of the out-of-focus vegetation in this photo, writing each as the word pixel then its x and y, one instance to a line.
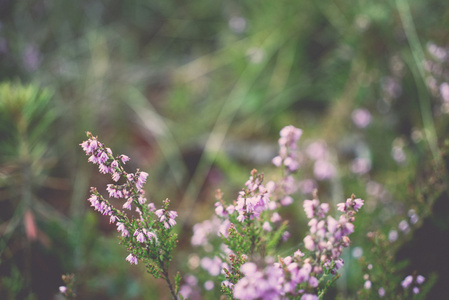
pixel 195 93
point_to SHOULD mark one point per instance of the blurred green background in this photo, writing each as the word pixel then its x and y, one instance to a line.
pixel 195 92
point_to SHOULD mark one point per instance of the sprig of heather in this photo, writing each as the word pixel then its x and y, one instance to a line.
pixel 148 236
pixel 251 229
pixel 382 262
pixel 308 274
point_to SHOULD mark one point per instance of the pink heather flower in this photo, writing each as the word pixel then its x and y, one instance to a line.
pixel 141 180
pixel 322 169
pixel 132 259
pixel 89 146
pixel 309 207
pixel 62 289
pixel 317 150
pixel 358 203
pixel 171 223
pixel 309 297
pixel 285 236
pixel 291 132
pixel 381 292
pixel 172 214
pixel 151 207
pixel 103 169
pixel 367 285
pixel 403 226
pixel 392 235
pixel 93 199
pixel 324 208
pixel 124 158
pixel 142 200
pixel 341 207
pixel 140 236
pixel 159 212
pixel 420 279
pixel 103 157
pixel 209 285
pixel 275 217
pixel 298 253
pixel 415 290
pixel 130 176
pixel 115 176
pixel 112 219
pixel 85 145
pixel 114 164
pixel 407 281
pixel 309 244
pixel 121 228
pixel 277 161
pixel 112 190
pixel 332 224
pixel 339 263
pixel 291 164
pixel 94 145
pixel 127 204
pixel 266 226
pixel 313 282
pixel 286 201
pixel 219 210
pixel 213 266
pixel 241 218
pixel 93 159
pixel 361 165
pixel 361 117
pixel 149 234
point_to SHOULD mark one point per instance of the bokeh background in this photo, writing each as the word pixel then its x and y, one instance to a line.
pixel 195 92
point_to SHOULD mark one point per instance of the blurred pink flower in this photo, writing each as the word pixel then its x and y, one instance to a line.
pixel 361 117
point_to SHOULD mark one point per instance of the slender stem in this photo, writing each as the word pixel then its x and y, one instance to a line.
pixel 166 278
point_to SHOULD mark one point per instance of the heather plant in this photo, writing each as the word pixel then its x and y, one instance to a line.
pixel 246 261
pixel 148 235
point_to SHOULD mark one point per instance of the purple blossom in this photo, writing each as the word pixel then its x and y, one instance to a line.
pixel 258 284
pixel 289 136
pixel 151 207
pixel 213 266
pixel 142 200
pixel 407 281
pixel 266 226
pixel 115 176
pixel 132 259
pixel 277 161
pixel 361 117
pixel 124 158
pixel 420 279
pixel 112 219
pixel 141 180
pixel 149 234
pixel 103 169
pixel 140 236
pixel 323 169
pixel 121 228
pixel 309 297
pixel 162 214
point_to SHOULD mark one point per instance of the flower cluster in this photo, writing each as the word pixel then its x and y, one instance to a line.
pixel 148 237
pixel 414 282
pixel 287 152
pixel 250 229
pixel 301 275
